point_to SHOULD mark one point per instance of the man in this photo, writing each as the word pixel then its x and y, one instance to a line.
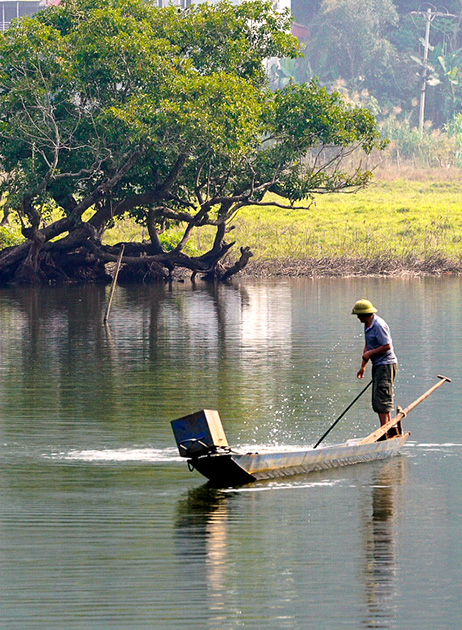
pixel 379 350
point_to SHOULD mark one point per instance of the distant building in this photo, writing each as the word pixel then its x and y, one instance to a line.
pixel 12 9
pixel 301 31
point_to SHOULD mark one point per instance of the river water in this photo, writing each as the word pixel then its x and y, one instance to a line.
pixel 102 526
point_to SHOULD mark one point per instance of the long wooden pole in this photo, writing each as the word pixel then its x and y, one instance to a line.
pixel 113 285
pixel 373 437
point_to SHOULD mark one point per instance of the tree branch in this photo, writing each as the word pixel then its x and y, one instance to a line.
pixel 108 185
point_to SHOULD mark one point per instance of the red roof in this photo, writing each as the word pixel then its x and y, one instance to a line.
pixel 300 31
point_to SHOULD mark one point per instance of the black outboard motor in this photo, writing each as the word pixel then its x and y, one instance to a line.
pixel 200 433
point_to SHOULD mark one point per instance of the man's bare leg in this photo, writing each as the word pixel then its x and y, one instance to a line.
pixel 384 417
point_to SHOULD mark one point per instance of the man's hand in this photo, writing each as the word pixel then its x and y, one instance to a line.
pixel 361 372
pixel 367 355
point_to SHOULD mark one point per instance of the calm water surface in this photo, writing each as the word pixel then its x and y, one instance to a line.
pixel 102 526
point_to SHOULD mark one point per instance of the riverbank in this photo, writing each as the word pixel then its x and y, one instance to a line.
pixel 394 227
pixel 350 267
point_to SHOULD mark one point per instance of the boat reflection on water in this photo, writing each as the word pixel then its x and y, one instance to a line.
pixel 381 503
pixel 202 541
pixel 223 552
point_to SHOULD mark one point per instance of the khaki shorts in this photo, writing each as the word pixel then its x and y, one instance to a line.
pixel 383 378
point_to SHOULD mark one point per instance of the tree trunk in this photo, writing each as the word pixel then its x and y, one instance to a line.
pixel 80 258
pixel 28 270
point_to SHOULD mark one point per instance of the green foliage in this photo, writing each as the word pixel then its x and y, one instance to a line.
pixel 349 41
pixel 454 130
pixel 9 237
pixel 171 238
pixel 83 84
pixel 378 46
pixel 119 106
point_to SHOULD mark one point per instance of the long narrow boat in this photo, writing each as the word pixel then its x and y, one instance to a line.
pixel 201 438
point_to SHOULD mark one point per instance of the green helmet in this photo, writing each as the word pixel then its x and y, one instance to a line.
pixel 363 307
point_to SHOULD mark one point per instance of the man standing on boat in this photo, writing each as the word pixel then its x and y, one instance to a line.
pixel 379 350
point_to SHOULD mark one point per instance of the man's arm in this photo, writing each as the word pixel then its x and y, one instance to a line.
pixel 362 369
pixel 368 354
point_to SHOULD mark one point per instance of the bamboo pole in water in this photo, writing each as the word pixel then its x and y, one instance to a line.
pixel 402 413
pixel 113 285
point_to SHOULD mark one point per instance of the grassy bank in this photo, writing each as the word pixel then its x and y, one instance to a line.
pixel 391 227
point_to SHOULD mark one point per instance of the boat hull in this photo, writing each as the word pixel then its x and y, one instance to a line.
pixel 234 469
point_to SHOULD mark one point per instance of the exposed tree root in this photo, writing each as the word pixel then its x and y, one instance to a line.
pixel 81 259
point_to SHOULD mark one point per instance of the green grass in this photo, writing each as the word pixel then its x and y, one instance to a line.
pixel 394 219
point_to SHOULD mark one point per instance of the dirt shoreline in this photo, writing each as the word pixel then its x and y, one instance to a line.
pixel 347 267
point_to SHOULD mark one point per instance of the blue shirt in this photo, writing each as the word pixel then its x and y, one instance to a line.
pixel 378 334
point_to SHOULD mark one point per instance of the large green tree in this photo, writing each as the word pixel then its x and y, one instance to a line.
pixel 109 107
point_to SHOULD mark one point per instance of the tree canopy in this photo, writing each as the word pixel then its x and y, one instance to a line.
pixel 109 107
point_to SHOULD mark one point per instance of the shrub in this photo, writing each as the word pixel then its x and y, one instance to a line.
pixel 429 148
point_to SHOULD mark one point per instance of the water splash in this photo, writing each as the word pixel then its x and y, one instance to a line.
pixel 118 455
